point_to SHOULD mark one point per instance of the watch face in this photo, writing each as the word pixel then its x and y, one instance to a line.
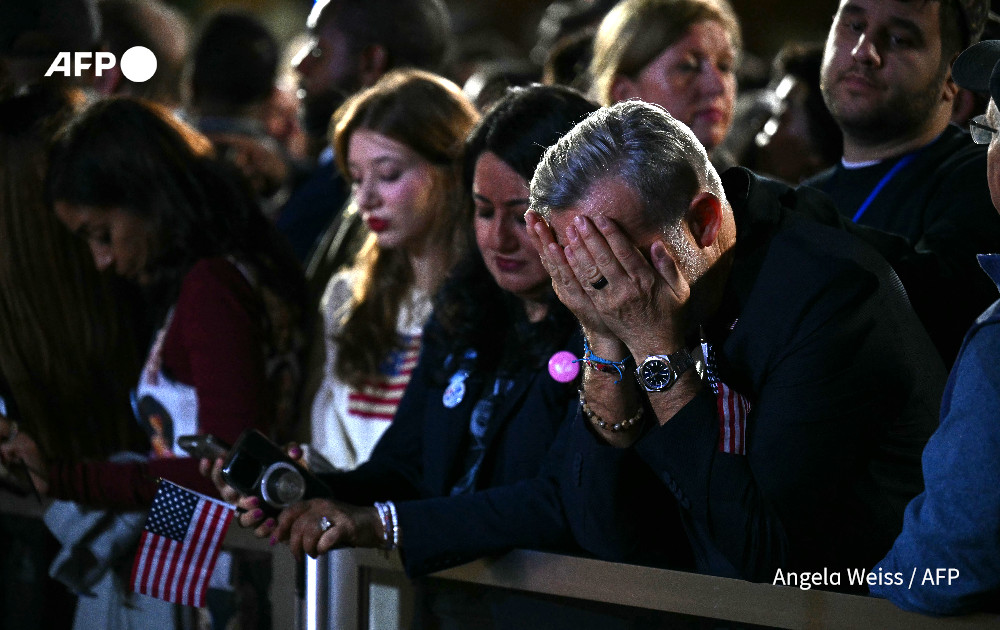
pixel 657 374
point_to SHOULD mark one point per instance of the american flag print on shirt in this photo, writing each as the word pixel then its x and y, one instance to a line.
pixel 378 398
pixel 179 545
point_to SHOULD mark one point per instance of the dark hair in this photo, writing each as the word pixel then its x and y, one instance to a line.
pixel 131 154
pixel 471 307
pixel 962 25
pixel 954 30
pixel 803 61
pixel 68 354
pixel 234 64
pixel 158 26
pixel 523 124
pixel 415 33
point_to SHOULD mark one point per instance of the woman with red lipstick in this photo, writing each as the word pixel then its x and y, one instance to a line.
pixel 494 384
pixel 679 54
pixel 399 144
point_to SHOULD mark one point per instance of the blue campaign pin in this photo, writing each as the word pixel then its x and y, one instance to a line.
pixel 455 392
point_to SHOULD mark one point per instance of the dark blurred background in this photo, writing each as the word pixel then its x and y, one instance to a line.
pixel 767 24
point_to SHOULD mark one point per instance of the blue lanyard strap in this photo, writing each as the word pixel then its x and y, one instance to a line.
pixel 900 165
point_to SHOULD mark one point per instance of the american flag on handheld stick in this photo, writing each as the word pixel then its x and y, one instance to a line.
pixel 179 545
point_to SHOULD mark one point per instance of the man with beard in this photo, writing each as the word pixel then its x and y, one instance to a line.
pixel 353 43
pixel 905 170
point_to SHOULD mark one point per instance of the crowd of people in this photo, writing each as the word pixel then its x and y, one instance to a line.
pixel 604 302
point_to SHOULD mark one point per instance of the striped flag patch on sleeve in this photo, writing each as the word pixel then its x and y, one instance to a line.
pixel 733 408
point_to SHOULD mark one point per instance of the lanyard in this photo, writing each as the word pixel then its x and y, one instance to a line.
pixel 900 165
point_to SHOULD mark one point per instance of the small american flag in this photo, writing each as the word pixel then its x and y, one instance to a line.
pixel 179 545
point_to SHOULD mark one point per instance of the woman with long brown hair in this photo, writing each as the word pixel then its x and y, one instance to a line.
pixel 68 351
pixel 63 328
pixel 399 144
pixel 148 196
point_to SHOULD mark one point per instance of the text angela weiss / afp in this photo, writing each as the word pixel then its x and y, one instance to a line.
pixel 805 580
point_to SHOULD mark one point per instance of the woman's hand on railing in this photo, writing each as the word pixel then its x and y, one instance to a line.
pixel 316 526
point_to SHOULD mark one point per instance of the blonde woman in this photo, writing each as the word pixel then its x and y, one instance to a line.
pixel 679 54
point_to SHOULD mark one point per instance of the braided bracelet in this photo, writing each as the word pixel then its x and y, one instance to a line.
pixel 600 364
pixel 390 524
pixel 395 525
pixel 600 423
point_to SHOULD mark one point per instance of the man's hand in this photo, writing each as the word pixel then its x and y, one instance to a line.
pixel 570 290
pixel 644 302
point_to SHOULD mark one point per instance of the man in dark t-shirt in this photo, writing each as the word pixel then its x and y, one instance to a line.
pixel 905 170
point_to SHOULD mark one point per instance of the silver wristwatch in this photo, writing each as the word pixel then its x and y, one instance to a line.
pixel 659 372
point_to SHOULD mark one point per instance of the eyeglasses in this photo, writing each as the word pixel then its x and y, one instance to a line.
pixel 981 132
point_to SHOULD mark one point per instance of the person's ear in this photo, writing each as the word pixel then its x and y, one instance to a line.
pixel 109 82
pixel 622 89
pixel 373 64
pixel 949 92
pixel 704 217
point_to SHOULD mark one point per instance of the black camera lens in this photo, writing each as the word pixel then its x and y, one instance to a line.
pixel 281 485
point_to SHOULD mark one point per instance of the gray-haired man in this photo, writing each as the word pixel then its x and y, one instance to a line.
pixel 795 446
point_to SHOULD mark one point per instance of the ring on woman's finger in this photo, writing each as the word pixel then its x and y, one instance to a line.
pixel 324 524
pixel 600 283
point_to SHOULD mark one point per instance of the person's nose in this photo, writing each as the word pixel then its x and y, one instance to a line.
pixel 366 194
pixel 865 51
pixel 304 61
pixel 712 79
pixel 103 256
pixel 503 232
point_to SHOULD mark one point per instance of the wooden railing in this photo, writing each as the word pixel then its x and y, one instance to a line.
pixel 596 581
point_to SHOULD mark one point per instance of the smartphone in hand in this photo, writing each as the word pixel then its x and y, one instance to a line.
pixel 203 446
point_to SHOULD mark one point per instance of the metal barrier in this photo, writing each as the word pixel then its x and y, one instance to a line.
pixel 681 592
pixel 591 580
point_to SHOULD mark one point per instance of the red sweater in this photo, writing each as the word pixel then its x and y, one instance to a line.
pixel 214 344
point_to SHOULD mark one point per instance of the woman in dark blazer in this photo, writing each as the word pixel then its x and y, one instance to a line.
pixel 495 382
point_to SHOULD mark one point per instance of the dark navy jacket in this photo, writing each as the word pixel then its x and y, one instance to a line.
pixel 843 385
pixel 420 457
